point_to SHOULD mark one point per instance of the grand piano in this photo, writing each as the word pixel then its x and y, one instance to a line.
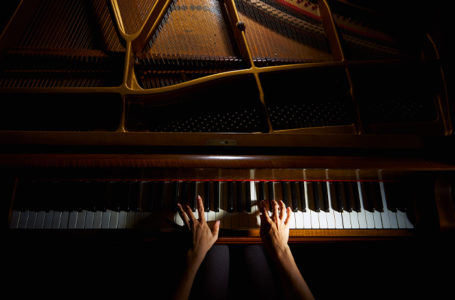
pixel 115 111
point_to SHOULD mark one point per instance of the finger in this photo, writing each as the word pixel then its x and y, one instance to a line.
pixel 200 209
pixel 183 215
pixel 216 229
pixel 190 214
pixel 288 217
pixel 265 213
pixel 275 210
pixel 282 209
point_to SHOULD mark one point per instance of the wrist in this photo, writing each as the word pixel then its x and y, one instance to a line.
pixel 194 257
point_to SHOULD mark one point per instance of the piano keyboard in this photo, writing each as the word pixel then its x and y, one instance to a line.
pixel 123 204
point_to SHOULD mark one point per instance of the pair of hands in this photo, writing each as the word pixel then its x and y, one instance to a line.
pixel 274 229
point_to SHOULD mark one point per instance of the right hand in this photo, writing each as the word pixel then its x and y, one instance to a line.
pixel 275 229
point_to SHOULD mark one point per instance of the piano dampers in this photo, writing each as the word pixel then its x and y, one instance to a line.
pixel 307 98
pixel 193 40
pixel 284 32
pixel 398 94
pixel 227 105
pixel 60 111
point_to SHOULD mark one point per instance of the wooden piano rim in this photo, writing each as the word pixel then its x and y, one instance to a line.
pixel 226 236
pixel 126 160
pixel 322 235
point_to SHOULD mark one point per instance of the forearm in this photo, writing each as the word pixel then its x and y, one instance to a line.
pixel 192 265
pixel 293 282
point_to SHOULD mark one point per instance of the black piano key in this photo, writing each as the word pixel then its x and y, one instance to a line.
pixel 352 197
pixel 247 197
pixel 134 196
pixel 87 197
pixel 367 202
pixel 313 196
pixel 374 194
pixel 231 196
pixel 157 196
pixel 302 196
pixel 294 196
pixel 147 196
pixel 240 199
pixel 261 190
pixel 100 202
pixel 73 192
pixel 216 196
pixel 325 196
pixel 121 193
pixel 392 195
pixel 184 192
pixel 175 186
pixel 334 197
pixel 270 192
pixel 285 192
pixel 193 195
pixel 207 195
pixel 402 191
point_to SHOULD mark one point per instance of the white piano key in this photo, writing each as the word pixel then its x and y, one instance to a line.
pixel 401 216
pixel 211 216
pixel 72 222
pixel 23 219
pixel 323 224
pixel 80 223
pixel 15 217
pixel 89 218
pixel 346 219
pixel 56 219
pixel 105 219
pixel 292 224
pixel 403 220
pixel 98 220
pixel 64 219
pixel 39 222
pixel 314 217
pixel 307 220
pixel 31 219
pixel 408 222
pixel 354 218
pixel 255 219
pixel 369 219
pixel 122 219
pixel 389 218
pixel 338 219
pixel 49 215
pixel 377 219
pixel 337 216
pixel 130 219
pixel 178 220
pixel 330 215
pixel 113 222
pixel 299 220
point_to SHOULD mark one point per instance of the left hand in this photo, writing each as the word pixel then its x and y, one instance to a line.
pixel 203 236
